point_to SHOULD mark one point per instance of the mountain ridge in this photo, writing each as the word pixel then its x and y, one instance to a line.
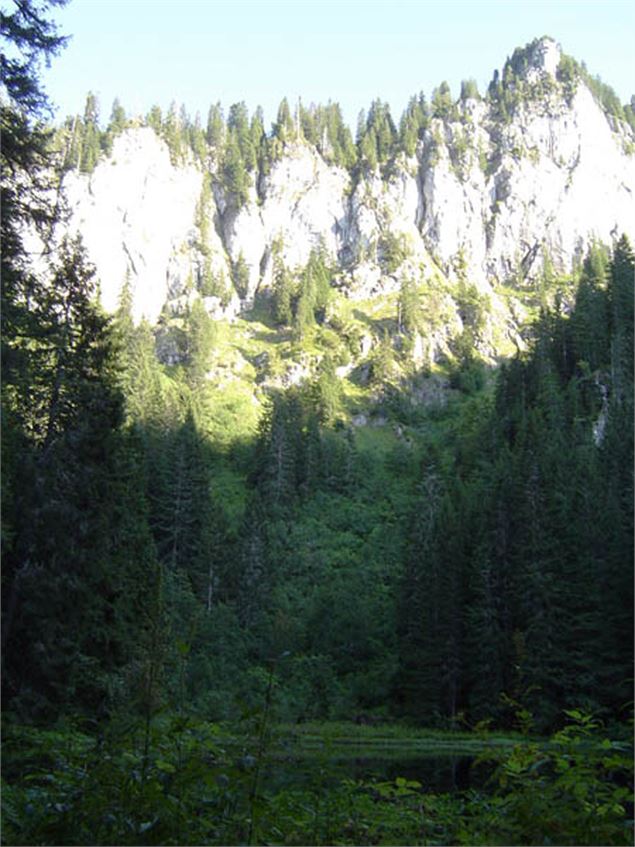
pixel 496 190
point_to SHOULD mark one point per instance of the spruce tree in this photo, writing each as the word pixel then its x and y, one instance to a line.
pixel 442 105
pixel 215 132
pixel 91 139
pixel 284 128
pixel 240 132
pixel 172 133
pixel 283 287
pixel 240 276
pixel 115 127
pixel 63 587
pixel 200 340
pixel 154 119
pixel 235 176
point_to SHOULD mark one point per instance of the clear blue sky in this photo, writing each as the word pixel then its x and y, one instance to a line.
pixel 201 51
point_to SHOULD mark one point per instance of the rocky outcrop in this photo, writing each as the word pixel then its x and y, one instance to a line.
pixel 304 206
pixel 136 214
pixel 486 194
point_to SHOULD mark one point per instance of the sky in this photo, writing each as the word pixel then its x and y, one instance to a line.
pixel 198 52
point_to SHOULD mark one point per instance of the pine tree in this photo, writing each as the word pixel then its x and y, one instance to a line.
pixel 304 316
pixel 240 132
pixel 326 392
pixel 215 133
pixel 26 186
pixel 284 127
pixel 91 139
pixel 196 139
pixel 620 294
pixel 115 127
pixel 376 135
pixel 117 117
pixel 78 556
pixel 590 319
pixel 257 131
pixel 154 119
pixel 368 150
pixel 240 276
pixel 283 287
pixel 171 132
pixel 185 126
pixel 73 144
pixel 341 145
pixel 413 121
pixel 382 362
pixel 62 595
pixel 617 481
pixel 172 494
pixel 200 335
pixel 309 126
pixel 442 105
pixel 469 90
pixel 235 176
pixel 279 450
pixel 380 119
pixel 142 378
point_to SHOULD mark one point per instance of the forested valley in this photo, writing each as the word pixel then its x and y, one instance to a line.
pixel 193 610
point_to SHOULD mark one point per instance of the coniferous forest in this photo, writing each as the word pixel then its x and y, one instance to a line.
pixel 195 625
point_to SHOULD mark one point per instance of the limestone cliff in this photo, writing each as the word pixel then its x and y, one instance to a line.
pixel 486 192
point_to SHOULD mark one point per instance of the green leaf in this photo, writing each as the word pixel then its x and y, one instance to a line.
pixel 162 765
pixel 574 713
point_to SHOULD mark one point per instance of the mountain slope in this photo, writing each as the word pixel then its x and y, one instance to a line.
pixel 493 187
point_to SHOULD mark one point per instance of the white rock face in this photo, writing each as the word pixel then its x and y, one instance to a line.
pixel 578 184
pixel 495 195
pixel 456 214
pixel 544 58
pixel 245 237
pixel 305 205
pixel 136 212
pixel 379 208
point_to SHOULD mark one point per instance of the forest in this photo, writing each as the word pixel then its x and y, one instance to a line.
pixel 197 617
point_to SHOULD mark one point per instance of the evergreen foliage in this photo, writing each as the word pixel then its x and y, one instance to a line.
pixel 215 131
pixel 313 293
pixel 469 90
pixel 393 250
pixel 376 136
pixel 72 593
pixel 91 135
pixel 534 563
pixel 283 287
pixel 117 124
pixel 200 337
pixel 240 276
pixel 413 123
pixel 442 104
pixel 284 129
pixel 409 316
pixel 240 151
pixel 235 175
pixel 467 565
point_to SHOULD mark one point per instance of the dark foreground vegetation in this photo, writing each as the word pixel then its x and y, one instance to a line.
pixel 172 594
pixel 181 781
